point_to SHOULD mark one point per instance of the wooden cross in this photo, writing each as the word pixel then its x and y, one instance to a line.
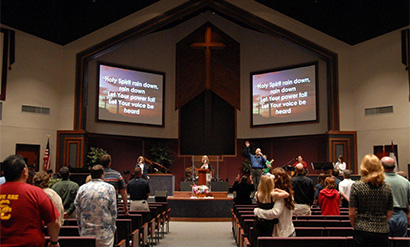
pixel 105 100
pixel 208 45
pixel 118 103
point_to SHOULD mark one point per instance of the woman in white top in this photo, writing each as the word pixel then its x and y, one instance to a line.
pixel 42 180
pixel 206 165
pixel 340 165
pixel 282 208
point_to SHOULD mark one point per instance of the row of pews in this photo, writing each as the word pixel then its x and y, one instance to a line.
pixel 142 228
pixel 311 230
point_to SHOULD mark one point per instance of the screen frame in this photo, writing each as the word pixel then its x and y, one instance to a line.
pixel 279 69
pixel 163 74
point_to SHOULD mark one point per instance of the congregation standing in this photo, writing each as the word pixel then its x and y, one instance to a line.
pixel 27 209
pixel 379 203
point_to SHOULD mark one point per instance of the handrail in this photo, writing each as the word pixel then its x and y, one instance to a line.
pixel 157 164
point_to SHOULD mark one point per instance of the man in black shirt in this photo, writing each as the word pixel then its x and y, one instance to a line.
pixel 138 188
pixel 304 191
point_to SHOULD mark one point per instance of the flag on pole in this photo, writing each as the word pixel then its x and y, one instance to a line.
pixel 394 156
pixel 46 159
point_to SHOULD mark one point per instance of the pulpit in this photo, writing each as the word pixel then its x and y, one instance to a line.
pixel 202 176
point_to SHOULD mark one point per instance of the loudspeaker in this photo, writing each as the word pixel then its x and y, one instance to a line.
pixel 405 48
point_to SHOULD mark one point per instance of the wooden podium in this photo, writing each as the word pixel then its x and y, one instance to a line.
pixel 202 176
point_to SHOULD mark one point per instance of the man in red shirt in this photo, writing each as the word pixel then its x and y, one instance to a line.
pixel 25 208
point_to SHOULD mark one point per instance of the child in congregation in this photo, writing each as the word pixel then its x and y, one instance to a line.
pixel 329 198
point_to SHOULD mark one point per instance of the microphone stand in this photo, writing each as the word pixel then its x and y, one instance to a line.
pixel 285 166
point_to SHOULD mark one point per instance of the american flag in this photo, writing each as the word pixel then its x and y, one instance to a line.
pixel 46 158
pixel 394 156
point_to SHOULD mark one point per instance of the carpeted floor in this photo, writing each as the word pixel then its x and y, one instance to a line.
pixel 198 234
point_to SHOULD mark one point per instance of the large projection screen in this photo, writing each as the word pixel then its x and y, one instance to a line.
pixel 130 95
pixel 286 95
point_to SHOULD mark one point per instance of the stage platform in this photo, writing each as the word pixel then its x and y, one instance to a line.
pixel 185 208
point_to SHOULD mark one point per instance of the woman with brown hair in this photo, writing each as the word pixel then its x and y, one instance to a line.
pixel 42 179
pixel 371 205
pixel 283 207
pixel 329 198
pixel 265 199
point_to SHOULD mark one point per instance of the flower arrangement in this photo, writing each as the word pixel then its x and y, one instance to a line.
pixel 200 190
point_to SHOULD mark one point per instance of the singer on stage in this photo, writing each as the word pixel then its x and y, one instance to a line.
pixel 301 161
pixel 258 163
pixel 206 165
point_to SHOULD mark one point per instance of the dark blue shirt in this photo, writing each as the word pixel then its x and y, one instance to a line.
pixel 257 162
pixel 138 188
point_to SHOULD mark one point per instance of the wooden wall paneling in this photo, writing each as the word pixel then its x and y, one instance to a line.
pixel 65 142
pixel 345 143
pixel 348 140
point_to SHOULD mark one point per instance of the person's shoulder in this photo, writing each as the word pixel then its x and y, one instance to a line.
pixel 50 192
pixel 112 172
pixel 107 185
pixel 386 185
pixel 359 184
pixel 71 183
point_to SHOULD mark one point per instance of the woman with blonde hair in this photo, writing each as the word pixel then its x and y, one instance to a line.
pixel 265 199
pixel 371 205
pixel 282 210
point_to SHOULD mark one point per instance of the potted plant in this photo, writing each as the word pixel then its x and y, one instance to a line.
pixel 160 154
pixel 94 155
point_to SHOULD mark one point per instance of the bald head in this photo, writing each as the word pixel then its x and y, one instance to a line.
pixel 388 163
pixel 299 168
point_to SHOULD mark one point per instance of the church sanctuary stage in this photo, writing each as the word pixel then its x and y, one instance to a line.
pixel 199 209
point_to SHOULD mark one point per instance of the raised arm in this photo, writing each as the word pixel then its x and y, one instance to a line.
pixel 247 144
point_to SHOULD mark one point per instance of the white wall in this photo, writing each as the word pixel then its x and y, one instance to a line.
pixel 35 79
pixel 370 75
pixel 381 80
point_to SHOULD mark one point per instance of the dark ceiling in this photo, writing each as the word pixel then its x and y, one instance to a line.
pixel 63 21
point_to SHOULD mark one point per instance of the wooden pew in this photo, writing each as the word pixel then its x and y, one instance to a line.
pixel 122 243
pixel 310 231
pixel 74 241
pixel 136 220
pixel 65 231
pixel 339 231
pixel 302 242
pixel 123 231
pixel 399 242
pixel 146 214
pixel 135 238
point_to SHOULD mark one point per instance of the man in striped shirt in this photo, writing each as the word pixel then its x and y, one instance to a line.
pixel 113 177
